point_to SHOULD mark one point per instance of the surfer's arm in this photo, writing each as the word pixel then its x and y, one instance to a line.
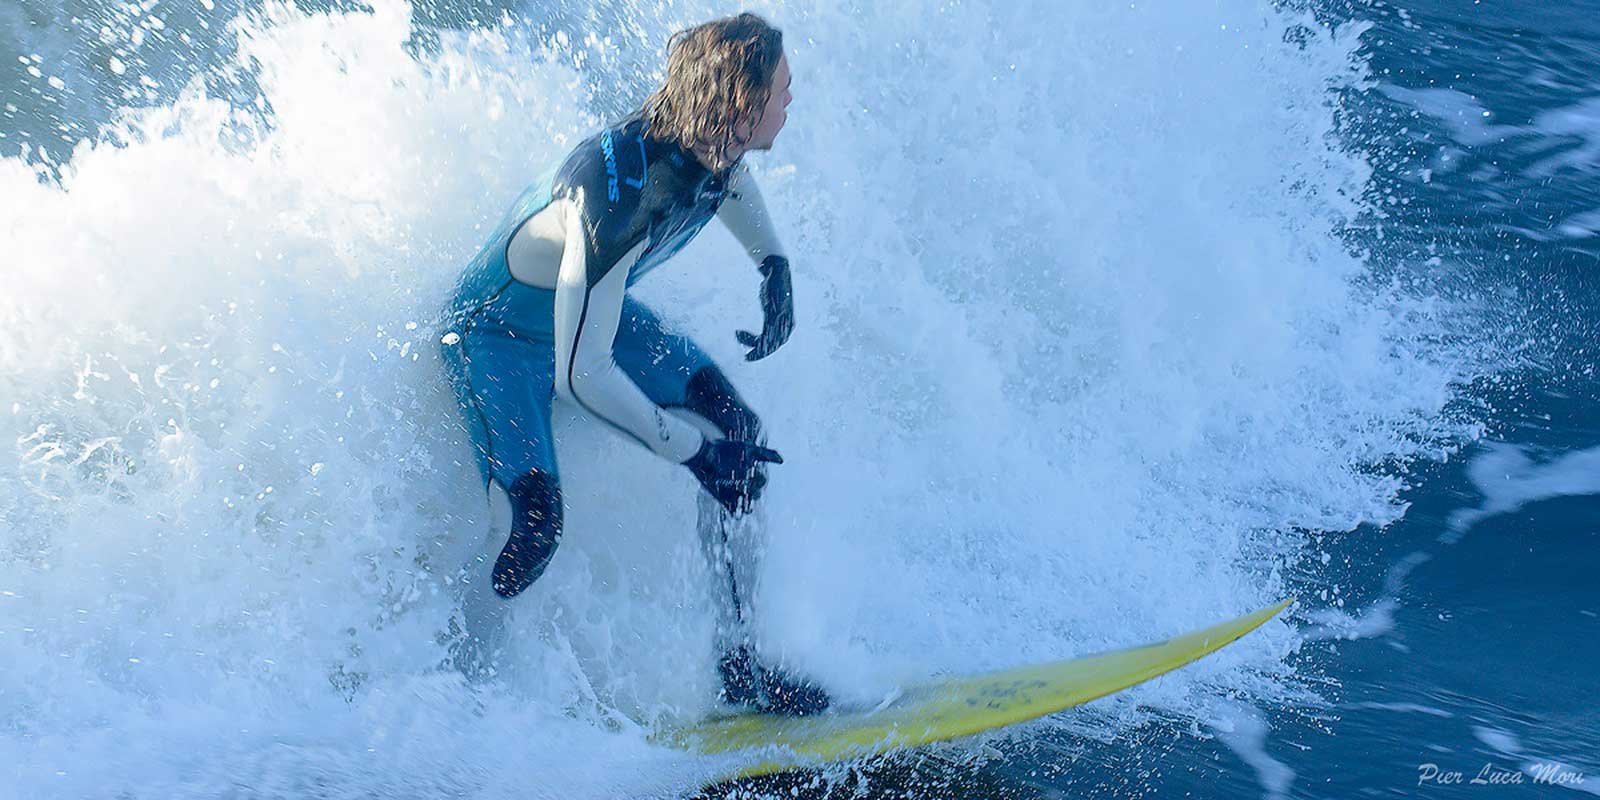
pixel 588 313
pixel 744 212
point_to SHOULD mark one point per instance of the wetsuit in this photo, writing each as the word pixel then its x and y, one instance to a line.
pixel 543 311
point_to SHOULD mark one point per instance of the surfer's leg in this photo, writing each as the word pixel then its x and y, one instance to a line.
pixel 676 374
pixel 505 387
pixel 732 545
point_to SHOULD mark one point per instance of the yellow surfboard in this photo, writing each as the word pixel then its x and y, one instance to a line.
pixel 949 708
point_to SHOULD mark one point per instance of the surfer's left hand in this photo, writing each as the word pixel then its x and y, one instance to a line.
pixel 777 306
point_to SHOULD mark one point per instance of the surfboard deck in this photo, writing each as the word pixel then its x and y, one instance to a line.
pixel 949 708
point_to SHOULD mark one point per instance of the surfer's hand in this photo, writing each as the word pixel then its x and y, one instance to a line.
pixel 732 471
pixel 777 308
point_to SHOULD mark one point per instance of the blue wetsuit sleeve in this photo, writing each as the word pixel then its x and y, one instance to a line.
pixel 588 312
pixel 744 212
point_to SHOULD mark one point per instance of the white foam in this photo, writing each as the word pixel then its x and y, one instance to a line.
pixel 1245 733
pixel 1535 769
pixel 1333 623
pixel 1469 121
pixel 1508 478
pixel 1565 142
pixel 1405 708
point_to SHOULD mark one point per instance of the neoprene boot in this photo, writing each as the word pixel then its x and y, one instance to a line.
pixel 747 682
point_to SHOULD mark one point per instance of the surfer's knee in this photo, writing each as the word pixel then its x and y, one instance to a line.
pixel 710 394
pixel 534 530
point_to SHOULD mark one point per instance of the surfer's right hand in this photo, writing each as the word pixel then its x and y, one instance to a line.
pixel 732 471
pixel 777 310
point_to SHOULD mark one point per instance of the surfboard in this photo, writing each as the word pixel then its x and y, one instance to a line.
pixel 952 707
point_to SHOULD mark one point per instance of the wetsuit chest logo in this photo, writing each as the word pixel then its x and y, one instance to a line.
pixel 610 153
pixel 607 149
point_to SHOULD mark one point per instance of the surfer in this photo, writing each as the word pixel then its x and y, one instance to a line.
pixel 543 310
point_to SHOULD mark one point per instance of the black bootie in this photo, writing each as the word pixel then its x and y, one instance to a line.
pixel 748 683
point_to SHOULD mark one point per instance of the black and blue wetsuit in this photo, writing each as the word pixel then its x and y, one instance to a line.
pixel 543 311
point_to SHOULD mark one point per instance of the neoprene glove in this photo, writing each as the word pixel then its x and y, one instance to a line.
pixel 777 309
pixel 732 471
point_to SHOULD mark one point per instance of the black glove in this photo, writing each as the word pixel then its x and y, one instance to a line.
pixel 732 471
pixel 777 306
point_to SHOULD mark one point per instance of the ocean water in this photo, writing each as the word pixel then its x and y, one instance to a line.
pixel 1114 320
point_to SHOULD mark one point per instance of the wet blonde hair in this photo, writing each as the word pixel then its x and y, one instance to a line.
pixel 719 76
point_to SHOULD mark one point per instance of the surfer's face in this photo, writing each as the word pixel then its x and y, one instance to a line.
pixel 776 111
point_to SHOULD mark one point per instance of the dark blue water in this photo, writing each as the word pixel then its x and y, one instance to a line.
pixel 1485 670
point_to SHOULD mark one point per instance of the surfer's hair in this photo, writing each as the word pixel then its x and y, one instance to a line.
pixel 719 76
